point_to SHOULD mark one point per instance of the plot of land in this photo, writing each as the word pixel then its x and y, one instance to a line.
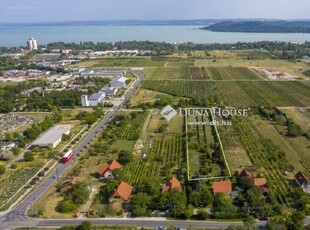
pixel 241 94
pixel 301 116
pixel 128 62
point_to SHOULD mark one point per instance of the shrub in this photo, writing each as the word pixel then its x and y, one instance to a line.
pixel 66 206
pixel 2 169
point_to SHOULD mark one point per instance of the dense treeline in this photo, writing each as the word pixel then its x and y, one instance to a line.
pixel 10 95
pixel 159 47
pixel 285 50
pixel 46 101
pixel 261 27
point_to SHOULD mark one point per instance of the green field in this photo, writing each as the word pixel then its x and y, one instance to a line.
pixel 232 73
pixel 15 181
pixel 127 62
pixel 180 63
pixel 168 73
pixel 239 93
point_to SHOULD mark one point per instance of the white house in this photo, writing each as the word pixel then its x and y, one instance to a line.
pixel 119 82
pixel 96 98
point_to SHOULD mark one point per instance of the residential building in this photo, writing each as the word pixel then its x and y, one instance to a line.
pixel 221 187
pixel 32 44
pixel 106 170
pixel 119 82
pixel 171 184
pixel 258 182
pixel 302 180
pixel 122 193
pixel 96 98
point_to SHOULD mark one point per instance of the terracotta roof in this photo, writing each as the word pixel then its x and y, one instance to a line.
pixel 263 189
pixel 124 191
pixel 105 167
pixel 115 165
pixel 102 169
pixel 245 173
pixel 301 178
pixel 221 186
pixel 259 181
pixel 173 183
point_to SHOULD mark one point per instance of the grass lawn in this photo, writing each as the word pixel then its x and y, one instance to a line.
pixel 301 116
pixel 123 145
pixel 147 96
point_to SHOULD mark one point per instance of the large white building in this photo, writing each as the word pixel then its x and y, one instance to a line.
pixel 101 73
pixel 52 137
pixel 32 44
pixel 93 100
pixel 85 101
pixel 109 90
pixel 119 82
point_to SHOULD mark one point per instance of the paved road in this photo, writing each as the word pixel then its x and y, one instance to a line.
pixel 18 212
pixel 17 217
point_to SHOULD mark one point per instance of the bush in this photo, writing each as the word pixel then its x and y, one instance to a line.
pixel 202 214
pixel 66 206
pixel 86 225
pixel 28 156
pixel 40 174
pixel 2 169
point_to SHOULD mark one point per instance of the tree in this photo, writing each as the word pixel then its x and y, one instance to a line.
pixel 223 207
pixel 2 169
pixel 85 225
pixel 139 203
pixel 177 202
pixel 106 190
pixel 15 150
pixel 66 206
pixel 206 197
pixel 28 156
pixel 125 157
pixel 79 193
pixel 202 214
pixel 194 198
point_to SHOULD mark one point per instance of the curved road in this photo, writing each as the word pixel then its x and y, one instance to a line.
pixel 17 216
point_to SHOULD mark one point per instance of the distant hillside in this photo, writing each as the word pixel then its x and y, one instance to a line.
pixel 261 27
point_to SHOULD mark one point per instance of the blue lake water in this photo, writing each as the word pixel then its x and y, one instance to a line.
pixel 18 35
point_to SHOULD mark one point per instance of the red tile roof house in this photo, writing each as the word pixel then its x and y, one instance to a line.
pixel 258 182
pixel 106 171
pixel 171 184
pixel 221 187
pixel 302 180
pixel 122 193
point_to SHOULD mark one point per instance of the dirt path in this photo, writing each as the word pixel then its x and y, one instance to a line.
pixel 147 121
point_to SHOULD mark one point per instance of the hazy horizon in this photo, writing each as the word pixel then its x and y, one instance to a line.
pixel 42 11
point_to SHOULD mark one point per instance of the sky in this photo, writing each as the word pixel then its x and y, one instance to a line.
pixel 19 11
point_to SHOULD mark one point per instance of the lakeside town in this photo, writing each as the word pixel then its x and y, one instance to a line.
pixel 91 128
